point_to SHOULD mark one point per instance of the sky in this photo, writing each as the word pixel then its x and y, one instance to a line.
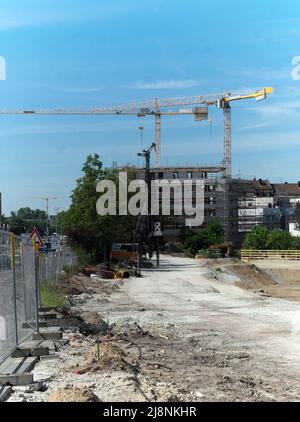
pixel 63 53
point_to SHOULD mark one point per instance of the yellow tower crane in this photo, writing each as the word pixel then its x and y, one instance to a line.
pixel 167 107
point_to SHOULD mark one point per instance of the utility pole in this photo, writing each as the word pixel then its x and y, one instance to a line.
pixel 147 155
pixel 141 129
pixel 56 222
pixel 47 199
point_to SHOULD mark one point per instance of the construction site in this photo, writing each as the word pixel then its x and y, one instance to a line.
pixel 177 329
pixel 149 229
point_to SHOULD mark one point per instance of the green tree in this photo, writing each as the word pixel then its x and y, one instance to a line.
pixel 203 238
pixel 89 233
pixel 257 238
pixel 280 240
pixel 25 219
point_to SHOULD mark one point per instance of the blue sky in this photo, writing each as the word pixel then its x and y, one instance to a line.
pixel 63 53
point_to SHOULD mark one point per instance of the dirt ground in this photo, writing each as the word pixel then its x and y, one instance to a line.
pixel 184 331
pixel 279 279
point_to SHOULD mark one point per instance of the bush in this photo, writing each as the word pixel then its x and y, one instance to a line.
pixel 261 238
pixel 203 238
pixel 279 239
pixel 257 238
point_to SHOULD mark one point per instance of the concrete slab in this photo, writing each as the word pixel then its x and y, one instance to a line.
pixel 47 308
pixel 49 357
pixel 5 392
pixel 47 335
pixel 47 315
pixel 49 323
pixel 21 353
pixel 17 365
pixel 16 371
pixel 41 324
pixel 16 379
pixel 30 388
pixel 33 344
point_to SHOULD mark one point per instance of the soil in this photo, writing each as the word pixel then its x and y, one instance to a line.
pixel 279 279
pixel 80 283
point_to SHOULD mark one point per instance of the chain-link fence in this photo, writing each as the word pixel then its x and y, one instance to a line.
pixel 22 268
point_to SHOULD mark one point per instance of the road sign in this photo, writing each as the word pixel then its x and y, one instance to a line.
pixel 157 229
pixel 35 235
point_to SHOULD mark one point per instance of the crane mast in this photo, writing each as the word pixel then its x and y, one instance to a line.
pixel 227 139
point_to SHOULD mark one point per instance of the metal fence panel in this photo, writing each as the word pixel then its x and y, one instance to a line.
pixel 8 338
pixel 51 264
pixel 22 268
pixel 30 284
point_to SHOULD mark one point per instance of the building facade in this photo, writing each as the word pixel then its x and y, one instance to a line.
pixel 239 204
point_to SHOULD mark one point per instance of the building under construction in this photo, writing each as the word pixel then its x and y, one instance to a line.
pixel 239 204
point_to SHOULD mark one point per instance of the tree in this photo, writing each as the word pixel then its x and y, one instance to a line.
pixel 280 240
pixel 25 219
pixel 203 238
pixel 257 238
pixel 89 233
pixel 261 238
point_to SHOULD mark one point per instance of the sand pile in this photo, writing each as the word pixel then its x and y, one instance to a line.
pixel 73 394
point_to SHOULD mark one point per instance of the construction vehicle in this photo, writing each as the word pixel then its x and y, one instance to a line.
pixel 225 248
pixel 124 252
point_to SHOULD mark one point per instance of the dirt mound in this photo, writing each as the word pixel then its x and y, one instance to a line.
pixel 89 323
pixel 93 324
pixel 128 330
pixel 79 284
pixel 73 395
pixel 251 276
pixel 105 355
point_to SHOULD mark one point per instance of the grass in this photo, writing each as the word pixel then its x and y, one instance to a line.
pixel 50 296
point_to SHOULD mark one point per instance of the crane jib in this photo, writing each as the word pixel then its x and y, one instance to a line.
pixel 166 107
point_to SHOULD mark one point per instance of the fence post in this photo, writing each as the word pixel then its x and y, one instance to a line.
pixel 12 258
pixel 23 277
pixel 37 284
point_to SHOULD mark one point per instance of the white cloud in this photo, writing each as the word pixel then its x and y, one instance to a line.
pixel 169 84
pixel 81 90
pixel 280 109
